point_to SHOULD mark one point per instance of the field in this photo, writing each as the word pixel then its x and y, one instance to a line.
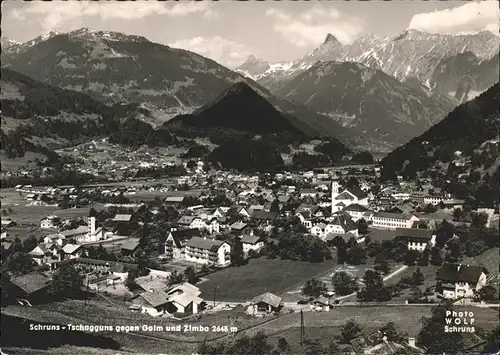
pixel 31 215
pixel 260 275
pixel 25 215
pixel 381 235
pixel 488 259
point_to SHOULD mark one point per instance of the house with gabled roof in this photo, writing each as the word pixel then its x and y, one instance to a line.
pixel 417 239
pixel 31 286
pixel 265 303
pixel 177 240
pixel 457 280
pixel 250 241
pixel 348 197
pixel 356 211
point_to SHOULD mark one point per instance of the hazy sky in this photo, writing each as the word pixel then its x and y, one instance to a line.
pixel 229 31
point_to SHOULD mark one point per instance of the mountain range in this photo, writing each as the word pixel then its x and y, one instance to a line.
pixel 374 105
pixel 411 54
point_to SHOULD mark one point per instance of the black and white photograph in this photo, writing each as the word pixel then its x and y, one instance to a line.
pixel 250 177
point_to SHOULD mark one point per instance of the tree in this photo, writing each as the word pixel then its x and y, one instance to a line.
pixel 415 294
pixel 411 257
pixel 424 258
pixel 4 281
pixel 487 293
pixel 454 251
pixel 20 264
pixel 344 283
pixel 175 278
pixel 237 254
pixel 356 255
pixel 341 252
pixel 479 220
pixel 130 283
pixel 389 330
pixel 314 288
pixel 492 345
pixel 374 289
pixel 382 267
pixel 283 346
pixel 362 227
pixel 417 277
pixel 349 331
pixel 458 214
pixel 436 258
pixel 190 275
pixel 275 206
pixel 362 158
pixel 66 282
pixel 433 336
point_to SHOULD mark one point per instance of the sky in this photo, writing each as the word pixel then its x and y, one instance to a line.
pixel 229 31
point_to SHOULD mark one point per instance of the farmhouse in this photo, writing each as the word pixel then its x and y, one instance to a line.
pixel 30 286
pixel 388 220
pixel 457 280
pixel 264 304
pixel 417 239
pixel 130 247
pixel 152 303
pixel 184 298
pixel 49 222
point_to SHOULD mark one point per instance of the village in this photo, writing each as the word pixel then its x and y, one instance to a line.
pixel 265 245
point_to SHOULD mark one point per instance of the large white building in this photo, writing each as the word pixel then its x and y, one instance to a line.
pixel 208 251
pixel 417 239
pixel 387 220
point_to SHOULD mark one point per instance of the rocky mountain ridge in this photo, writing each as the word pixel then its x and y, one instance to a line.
pixel 373 105
pixel 411 54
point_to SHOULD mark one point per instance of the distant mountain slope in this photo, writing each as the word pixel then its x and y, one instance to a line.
pixel 118 67
pixel 243 108
pixel 374 105
pixel 38 117
pixel 464 75
pixel 411 54
pixel 465 129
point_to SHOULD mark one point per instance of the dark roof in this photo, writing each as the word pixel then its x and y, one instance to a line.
pixel 182 235
pixel 155 299
pixel 32 282
pixel 130 244
pixel 414 233
pixel 264 215
pixel 205 243
pixel 238 226
pixel 356 191
pixel 268 298
pixel 250 239
pixel 460 273
pixel 401 216
pixel 356 208
pixel 343 220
